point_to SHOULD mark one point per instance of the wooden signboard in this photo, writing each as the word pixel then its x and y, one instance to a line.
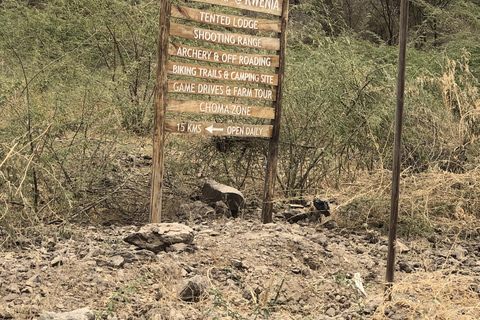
pixel 178 78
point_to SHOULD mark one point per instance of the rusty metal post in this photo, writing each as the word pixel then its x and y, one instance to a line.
pixel 397 147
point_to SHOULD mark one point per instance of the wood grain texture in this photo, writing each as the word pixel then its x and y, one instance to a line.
pixel 271 171
pixel 224 57
pixel 225 38
pixel 205 72
pixel 225 20
pixel 218 129
pixel 159 116
pixel 224 108
pixel 220 89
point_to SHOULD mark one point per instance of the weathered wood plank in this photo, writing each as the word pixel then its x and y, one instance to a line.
pixel 205 72
pixel 224 108
pixel 272 159
pixel 225 57
pixel 266 6
pixel 219 89
pixel 159 117
pixel 218 129
pixel 232 39
pixel 225 20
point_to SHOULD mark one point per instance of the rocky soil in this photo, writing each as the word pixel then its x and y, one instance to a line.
pixel 281 270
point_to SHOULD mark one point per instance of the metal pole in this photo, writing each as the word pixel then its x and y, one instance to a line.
pixel 397 147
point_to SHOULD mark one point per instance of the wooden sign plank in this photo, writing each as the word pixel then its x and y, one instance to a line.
pixel 225 20
pixel 219 89
pixel 218 129
pixel 232 39
pixel 225 57
pixel 266 6
pixel 205 72
pixel 223 108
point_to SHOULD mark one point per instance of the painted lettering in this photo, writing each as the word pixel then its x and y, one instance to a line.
pixel 184 70
pixel 255 61
pixel 250 41
pixel 267 79
pixel 193 53
pixel 212 36
pixel 263 93
pixel 184 87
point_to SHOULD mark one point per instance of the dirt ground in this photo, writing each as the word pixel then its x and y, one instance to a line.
pixel 255 271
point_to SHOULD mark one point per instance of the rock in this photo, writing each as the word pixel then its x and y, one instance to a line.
pixel 213 191
pixel 79 314
pixel 459 252
pixel 177 247
pixel 322 206
pixel 405 266
pixel 10 297
pixel 236 263
pixel 116 261
pixel 295 215
pixel 13 288
pixel 35 279
pixel 320 238
pixel 194 288
pixel 373 304
pixel 57 261
pixel 400 247
pixel 157 237
pixel 165 313
pixel 330 312
pixel 330 224
pixel 5 314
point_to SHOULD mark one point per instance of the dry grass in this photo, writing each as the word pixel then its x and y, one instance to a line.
pixel 443 294
pixel 430 202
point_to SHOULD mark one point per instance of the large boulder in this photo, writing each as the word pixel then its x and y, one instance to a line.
pixel 213 191
pixel 157 237
pixel 79 314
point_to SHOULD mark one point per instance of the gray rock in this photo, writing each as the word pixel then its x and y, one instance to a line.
pixel 213 191
pixel 330 312
pixel 400 247
pixel 194 288
pixel 116 261
pixel 10 297
pixel 373 304
pixel 157 237
pixel 459 252
pixel 295 215
pixel 79 314
pixel 177 247
pixel 405 266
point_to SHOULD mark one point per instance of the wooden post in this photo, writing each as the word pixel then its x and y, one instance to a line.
pixel 271 171
pixel 397 147
pixel 159 121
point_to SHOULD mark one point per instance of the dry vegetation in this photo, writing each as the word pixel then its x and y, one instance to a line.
pixel 76 96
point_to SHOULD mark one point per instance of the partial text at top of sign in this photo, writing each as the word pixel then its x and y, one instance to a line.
pixel 266 6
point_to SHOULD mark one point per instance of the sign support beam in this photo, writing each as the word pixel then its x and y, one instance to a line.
pixel 159 118
pixel 397 148
pixel 271 171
